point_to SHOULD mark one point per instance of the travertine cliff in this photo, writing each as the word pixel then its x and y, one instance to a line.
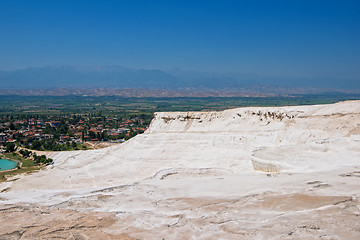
pixel 230 140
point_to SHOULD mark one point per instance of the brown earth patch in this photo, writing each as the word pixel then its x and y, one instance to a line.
pixel 32 222
pixel 297 202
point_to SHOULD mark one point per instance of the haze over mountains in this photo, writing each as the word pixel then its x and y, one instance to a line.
pixel 114 76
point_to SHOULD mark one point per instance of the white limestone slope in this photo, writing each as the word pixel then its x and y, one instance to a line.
pixel 293 139
pixel 247 173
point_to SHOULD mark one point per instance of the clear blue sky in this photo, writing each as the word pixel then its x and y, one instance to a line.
pixel 286 38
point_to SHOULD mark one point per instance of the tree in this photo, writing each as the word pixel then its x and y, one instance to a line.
pixel 92 134
pixel 10 147
pixel 25 153
pixel 73 144
pixel 36 144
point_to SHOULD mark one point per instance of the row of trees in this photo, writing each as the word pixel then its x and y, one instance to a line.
pixel 37 159
pixel 42 159
pixel 53 145
pixel 25 153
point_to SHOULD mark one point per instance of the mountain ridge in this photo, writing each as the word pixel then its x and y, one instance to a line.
pixel 115 76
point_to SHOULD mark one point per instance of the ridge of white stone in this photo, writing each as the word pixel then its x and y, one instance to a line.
pixel 241 141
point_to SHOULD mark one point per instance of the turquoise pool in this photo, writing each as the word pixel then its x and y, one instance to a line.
pixel 7 164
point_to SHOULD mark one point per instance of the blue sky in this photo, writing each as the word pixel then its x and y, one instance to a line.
pixel 278 38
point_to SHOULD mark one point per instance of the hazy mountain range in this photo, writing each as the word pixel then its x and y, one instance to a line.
pixel 118 77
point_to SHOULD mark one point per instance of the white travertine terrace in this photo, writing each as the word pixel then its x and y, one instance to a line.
pixel 303 155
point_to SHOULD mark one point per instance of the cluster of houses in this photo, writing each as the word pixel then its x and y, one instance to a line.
pixel 85 129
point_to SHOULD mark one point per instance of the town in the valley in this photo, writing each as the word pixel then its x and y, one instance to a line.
pixel 68 132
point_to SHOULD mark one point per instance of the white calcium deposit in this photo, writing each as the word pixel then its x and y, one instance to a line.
pixel 244 154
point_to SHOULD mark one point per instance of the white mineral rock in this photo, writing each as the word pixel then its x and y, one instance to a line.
pixel 246 173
